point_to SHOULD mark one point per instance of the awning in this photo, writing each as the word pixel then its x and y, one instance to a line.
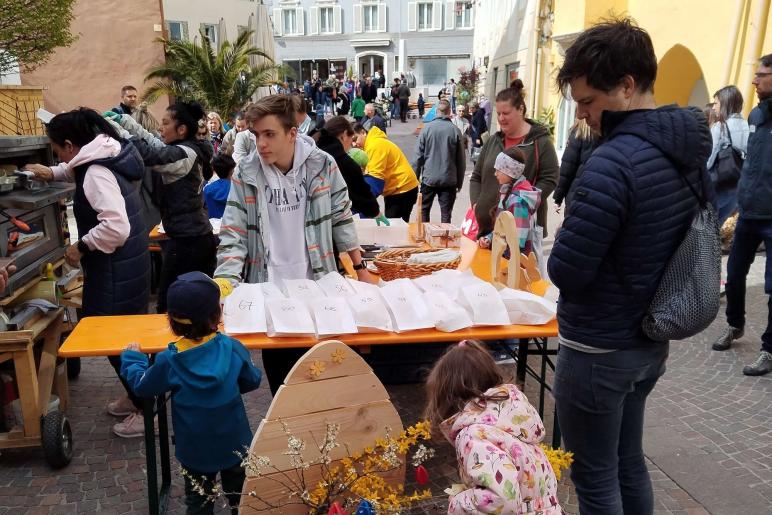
pixel 370 42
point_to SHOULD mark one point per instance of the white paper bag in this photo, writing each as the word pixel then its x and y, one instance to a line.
pixel 526 308
pixel 483 303
pixel 370 312
pixel 303 289
pixel 450 281
pixel 448 315
pixel 272 291
pixel 332 316
pixel 288 317
pixel 335 285
pixel 408 310
pixel 244 310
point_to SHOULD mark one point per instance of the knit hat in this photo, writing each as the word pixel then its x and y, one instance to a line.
pixel 193 296
pixel 359 156
pixel 508 166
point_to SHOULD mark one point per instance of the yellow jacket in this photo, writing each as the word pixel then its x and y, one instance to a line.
pixel 388 164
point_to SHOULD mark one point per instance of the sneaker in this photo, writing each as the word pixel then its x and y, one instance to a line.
pixel 121 407
pixel 132 426
pixel 761 366
pixel 725 340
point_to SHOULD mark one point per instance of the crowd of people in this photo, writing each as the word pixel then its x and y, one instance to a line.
pixel 287 186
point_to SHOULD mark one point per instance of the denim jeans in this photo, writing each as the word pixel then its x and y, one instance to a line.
pixel 600 401
pixel 748 235
pixel 726 204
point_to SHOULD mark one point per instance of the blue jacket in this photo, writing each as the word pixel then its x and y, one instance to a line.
pixel 630 211
pixel 216 195
pixel 208 416
pixel 755 187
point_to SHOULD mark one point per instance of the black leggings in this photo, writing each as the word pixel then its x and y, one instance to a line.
pixel 183 255
pixel 401 204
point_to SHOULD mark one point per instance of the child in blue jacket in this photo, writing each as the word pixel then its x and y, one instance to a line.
pixel 207 372
pixel 216 192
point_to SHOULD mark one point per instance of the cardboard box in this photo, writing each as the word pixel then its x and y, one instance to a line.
pixel 442 235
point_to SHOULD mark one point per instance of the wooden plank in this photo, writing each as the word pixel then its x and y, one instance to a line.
pixel 328 394
pixel 359 427
pixel 27 382
pixel 61 386
pixel 269 489
pixel 330 359
pixel 47 366
pixel 16 439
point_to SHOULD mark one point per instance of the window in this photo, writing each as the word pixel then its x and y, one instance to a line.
pixel 370 15
pixel 290 21
pixel 326 23
pixel 177 30
pixel 425 16
pixel 463 15
pixel 240 29
pixel 210 31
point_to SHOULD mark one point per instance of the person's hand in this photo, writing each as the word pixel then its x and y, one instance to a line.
pixel 42 172
pixel 226 288
pixel 381 219
pixel 4 273
pixel 132 346
pixel 72 255
pixel 116 117
pixel 365 276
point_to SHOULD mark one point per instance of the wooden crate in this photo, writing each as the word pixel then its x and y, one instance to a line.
pixel 18 108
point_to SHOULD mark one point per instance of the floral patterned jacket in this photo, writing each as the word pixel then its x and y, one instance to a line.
pixel 501 464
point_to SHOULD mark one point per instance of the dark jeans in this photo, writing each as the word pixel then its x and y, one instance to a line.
pixel 748 235
pixel 183 255
pixel 600 401
pixel 726 204
pixel 403 109
pixel 277 363
pixel 232 483
pixel 115 361
pixel 445 196
pixel 401 204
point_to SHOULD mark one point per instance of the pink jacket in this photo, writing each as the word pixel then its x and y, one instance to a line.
pixel 500 462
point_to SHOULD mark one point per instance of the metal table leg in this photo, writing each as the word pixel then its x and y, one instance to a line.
pixel 163 445
pixel 152 472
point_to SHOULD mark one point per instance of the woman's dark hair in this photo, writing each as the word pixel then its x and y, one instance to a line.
pixel 464 373
pixel 338 125
pixel 187 114
pixel 515 153
pixel 513 94
pixel 605 53
pixel 80 126
pixel 223 165
pixel 198 328
pixel 730 101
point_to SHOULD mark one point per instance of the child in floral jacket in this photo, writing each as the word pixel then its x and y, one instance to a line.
pixel 496 433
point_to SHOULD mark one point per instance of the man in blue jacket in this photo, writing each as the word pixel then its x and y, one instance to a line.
pixel 754 225
pixel 630 211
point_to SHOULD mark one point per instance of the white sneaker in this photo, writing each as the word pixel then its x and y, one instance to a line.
pixel 121 407
pixel 132 426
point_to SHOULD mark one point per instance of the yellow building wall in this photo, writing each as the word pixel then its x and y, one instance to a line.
pixel 596 10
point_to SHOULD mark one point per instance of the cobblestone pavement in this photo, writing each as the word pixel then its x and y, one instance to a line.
pixel 708 436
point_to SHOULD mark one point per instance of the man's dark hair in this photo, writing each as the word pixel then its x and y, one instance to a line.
pixel 283 107
pixel 766 60
pixel 359 128
pixel 239 116
pixel 223 165
pixel 127 88
pixel 608 51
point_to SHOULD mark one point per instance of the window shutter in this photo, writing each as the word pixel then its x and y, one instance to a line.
pixel 471 17
pixel 301 22
pixel 336 20
pixel 382 17
pixel 278 23
pixel 412 16
pixel 437 16
pixel 450 15
pixel 313 21
pixel 185 36
pixel 358 18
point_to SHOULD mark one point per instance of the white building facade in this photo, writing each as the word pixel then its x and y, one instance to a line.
pixel 427 41
pixel 223 19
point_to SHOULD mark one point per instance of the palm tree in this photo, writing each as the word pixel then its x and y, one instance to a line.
pixel 221 82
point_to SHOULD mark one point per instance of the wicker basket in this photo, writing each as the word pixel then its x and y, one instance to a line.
pixel 392 264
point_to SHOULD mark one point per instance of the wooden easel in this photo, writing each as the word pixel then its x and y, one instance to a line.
pixel 521 272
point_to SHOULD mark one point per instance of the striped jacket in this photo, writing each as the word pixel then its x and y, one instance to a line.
pixel 244 237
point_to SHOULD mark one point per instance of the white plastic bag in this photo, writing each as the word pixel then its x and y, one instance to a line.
pixel 526 308
pixel 408 310
pixel 483 303
pixel 244 310
pixel 288 317
pixel 332 316
pixel 335 285
pixel 448 316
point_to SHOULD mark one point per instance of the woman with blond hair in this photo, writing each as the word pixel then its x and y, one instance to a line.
pixel 579 147
pixel 216 132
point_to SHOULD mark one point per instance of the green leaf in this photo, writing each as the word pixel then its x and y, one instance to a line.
pixel 509 490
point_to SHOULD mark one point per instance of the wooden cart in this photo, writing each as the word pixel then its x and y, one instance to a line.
pixel 51 430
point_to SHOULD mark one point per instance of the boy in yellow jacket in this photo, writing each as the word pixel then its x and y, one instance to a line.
pixel 388 172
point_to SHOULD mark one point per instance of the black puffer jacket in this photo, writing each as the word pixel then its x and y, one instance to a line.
pixel 630 211
pixel 362 200
pixel 577 151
